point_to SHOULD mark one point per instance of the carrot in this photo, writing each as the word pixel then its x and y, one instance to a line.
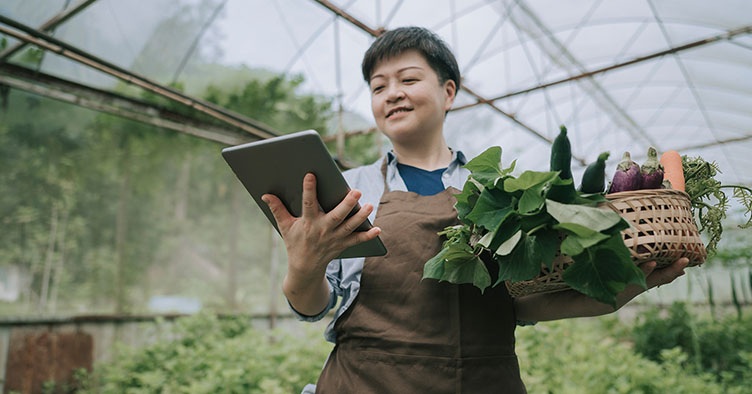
pixel 672 169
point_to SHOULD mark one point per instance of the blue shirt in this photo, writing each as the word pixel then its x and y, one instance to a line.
pixel 423 182
pixel 343 275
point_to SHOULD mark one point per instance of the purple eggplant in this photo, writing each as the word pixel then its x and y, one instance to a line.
pixel 651 171
pixel 627 176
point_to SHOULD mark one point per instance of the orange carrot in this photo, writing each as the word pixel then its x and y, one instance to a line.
pixel 672 169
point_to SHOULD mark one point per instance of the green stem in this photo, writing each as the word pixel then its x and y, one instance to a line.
pixel 735 187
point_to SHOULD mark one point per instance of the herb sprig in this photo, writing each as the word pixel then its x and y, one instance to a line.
pixel 709 200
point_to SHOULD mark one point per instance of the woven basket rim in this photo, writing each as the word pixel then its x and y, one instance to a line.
pixel 644 192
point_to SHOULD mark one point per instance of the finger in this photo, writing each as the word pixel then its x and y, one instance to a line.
pixel 363 236
pixel 668 274
pixel 310 202
pixel 648 268
pixel 339 214
pixel 278 209
pixel 351 224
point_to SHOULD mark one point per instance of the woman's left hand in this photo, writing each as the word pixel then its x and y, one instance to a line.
pixel 660 276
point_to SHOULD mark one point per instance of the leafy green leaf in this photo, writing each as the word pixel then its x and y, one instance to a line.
pixel 579 238
pixel 532 201
pixel 434 267
pixel 486 167
pixel 491 209
pixel 470 270
pixel 508 245
pixel 524 263
pixel 457 264
pixel 505 231
pixel 604 271
pixel 528 180
pixel 466 199
pixel 546 244
pixel 595 218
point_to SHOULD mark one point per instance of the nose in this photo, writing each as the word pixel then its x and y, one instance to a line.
pixel 394 92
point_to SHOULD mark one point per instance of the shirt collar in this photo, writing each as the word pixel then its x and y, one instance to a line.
pixel 458 158
pixel 394 180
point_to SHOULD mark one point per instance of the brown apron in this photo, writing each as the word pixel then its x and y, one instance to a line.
pixel 407 335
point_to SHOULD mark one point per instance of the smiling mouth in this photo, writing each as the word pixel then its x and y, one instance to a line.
pixel 397 110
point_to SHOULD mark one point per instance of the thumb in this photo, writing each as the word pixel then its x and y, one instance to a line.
pixel 279 211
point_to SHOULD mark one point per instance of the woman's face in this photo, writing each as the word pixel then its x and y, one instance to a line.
pixel 407 99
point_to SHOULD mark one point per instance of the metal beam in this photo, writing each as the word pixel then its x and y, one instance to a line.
pixel 353 20
pixel 716 143
pixel 44 41
pixel 694 44
pixel 529 129
pixel 47 26
pixel 102 101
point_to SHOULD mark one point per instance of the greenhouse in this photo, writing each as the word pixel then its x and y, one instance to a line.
pixel 132 259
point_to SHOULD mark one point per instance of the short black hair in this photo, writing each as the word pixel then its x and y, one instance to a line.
pixel 394 42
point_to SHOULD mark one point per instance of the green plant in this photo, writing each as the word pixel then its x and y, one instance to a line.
pixel 215 355
pixel 720 347
pixel 586 356
pixel 207 354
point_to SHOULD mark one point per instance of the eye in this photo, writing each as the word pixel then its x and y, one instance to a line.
pixel 410 80
pixel 377 88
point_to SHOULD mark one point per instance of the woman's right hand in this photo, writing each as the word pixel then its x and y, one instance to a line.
pixel 316 237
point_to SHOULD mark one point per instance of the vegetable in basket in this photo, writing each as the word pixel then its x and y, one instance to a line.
pixel 561 154
pixel 594 177
pixel 627 176
pixel 673 169
pixel 651 171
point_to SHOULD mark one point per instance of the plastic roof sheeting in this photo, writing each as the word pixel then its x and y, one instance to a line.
pixel 622 75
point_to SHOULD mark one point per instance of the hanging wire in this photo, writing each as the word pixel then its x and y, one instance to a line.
pixel 689 81
pixel 196 40
pixel 340 94
pixel 392 13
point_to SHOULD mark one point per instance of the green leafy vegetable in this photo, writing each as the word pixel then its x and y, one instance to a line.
pixel 521 223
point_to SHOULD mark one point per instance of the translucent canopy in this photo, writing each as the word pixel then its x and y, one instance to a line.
pixel 621 75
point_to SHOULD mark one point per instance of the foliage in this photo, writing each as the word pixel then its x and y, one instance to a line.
pixel 204 353
pixel 214 355
pixel 722 348
pixel 584 356
pixel 275 101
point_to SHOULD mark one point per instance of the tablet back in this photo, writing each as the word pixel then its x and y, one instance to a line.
pixel 277 166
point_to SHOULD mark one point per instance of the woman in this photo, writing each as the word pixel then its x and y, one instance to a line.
pixel 393 332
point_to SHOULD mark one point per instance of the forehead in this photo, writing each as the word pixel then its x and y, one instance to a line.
pixel 411 59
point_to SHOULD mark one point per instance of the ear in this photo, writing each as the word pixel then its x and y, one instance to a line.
pixel 450 91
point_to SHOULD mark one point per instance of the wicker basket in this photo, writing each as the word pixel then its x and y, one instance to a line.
pixel 662 230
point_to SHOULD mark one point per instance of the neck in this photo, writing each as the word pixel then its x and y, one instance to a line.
pixel 426 157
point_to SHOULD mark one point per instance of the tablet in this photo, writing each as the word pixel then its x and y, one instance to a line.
pixel 277 166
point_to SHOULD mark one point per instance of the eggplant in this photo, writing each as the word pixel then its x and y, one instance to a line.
pixel 651 171
pixel 627 176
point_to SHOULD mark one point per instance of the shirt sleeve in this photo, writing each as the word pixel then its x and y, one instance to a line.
pixel 314 318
